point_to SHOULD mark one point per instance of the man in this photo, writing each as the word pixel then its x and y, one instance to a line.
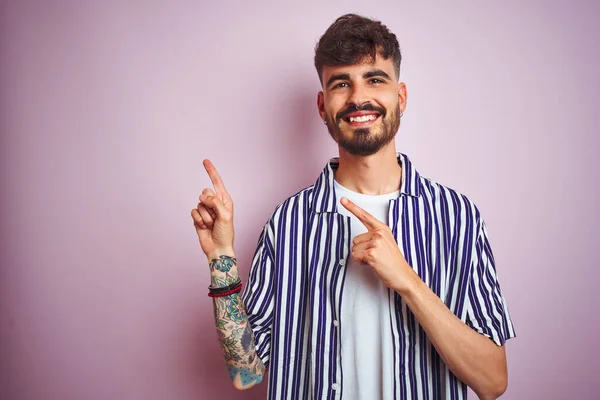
pixel 373 283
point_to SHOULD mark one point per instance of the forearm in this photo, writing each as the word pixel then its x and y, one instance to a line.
pixel 472 357
pixel 233 329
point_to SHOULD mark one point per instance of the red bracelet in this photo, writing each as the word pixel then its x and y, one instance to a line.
pixel 232 291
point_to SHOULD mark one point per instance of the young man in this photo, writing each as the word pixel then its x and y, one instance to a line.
pixel 373 283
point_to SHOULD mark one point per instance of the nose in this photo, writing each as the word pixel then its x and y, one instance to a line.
pixel 358 96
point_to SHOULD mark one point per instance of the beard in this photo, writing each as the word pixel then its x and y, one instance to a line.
pixel 365 141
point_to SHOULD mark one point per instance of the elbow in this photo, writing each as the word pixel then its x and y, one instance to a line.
pixel 241 382
pixel 500 387
pixel 239 386
pixel 495 389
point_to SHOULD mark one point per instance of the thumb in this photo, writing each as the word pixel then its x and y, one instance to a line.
pixel 215 204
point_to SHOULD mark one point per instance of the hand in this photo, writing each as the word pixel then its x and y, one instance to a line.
pixel 213 217
pixel 378 248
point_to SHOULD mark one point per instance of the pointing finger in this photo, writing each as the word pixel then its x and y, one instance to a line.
pixel 367 219
pixel 214 177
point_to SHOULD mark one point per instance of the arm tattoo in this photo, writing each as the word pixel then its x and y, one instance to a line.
pixel 223 263
pixel 237 340
pixel 219 268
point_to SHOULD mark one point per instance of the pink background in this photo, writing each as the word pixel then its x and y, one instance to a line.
pixel 107 111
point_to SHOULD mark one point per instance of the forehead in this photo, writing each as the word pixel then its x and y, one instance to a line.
pixel 356 71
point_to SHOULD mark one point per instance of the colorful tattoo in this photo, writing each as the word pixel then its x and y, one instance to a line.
pixel 237 340
pixel 223 263
pixel 217 282
pixel 235 311
pixel 247 376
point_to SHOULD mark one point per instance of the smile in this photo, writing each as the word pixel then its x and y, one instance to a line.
pixel 364 118
pixel 360 120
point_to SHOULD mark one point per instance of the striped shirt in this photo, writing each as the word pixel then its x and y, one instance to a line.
pixel 294 290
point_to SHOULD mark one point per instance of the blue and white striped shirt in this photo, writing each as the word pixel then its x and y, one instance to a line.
pixel 294 291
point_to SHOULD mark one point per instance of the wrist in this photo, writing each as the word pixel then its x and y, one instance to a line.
pixel 223 268
pixel 217 253
pixel 410 285
pixel 221 279
pixel 232 273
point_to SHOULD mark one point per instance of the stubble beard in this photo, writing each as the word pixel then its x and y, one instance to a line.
pixel 366 141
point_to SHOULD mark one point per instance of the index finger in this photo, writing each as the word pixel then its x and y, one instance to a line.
pixel 214 176
pixel 367 219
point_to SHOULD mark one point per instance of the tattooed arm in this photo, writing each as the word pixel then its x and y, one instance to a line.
pixel 233 329
pixel 213 220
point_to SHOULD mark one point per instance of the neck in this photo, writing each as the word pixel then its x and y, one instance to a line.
pixel 376 174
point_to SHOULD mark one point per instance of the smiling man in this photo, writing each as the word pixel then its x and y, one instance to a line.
pixel 373 283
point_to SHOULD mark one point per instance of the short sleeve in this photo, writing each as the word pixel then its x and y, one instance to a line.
pixel 257 295
pixel 487 312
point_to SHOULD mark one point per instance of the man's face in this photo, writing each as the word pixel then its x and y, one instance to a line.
pixel 361 104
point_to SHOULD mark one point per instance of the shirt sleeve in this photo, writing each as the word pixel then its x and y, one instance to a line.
pixel 257 295
pixel 487 312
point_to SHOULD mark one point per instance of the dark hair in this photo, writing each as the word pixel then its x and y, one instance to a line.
pixel 352 39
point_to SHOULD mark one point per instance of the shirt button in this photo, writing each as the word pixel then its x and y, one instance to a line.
pixel 336 322
pixel 335 386
pixel 342 262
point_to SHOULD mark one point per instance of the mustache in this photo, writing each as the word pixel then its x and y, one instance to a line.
pixel 354 108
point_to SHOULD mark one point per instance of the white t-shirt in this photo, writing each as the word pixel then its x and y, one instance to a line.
pixel 366 333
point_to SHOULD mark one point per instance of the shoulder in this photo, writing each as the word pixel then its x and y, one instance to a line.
pixel 448 201
pixel 295 207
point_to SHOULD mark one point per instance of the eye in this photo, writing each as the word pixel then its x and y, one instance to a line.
pixel 376 80
pixel 340 85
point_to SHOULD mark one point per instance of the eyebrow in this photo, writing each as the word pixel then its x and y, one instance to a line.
pixel 376 72
pixel 366 75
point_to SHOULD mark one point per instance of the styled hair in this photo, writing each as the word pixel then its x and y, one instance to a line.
pixel 352 39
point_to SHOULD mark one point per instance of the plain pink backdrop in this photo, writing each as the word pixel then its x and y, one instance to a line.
pixel 107 111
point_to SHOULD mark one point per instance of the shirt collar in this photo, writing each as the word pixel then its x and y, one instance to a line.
pixel 324 199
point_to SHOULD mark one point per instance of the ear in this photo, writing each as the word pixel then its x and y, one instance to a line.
pixel 321 105
pixel 402 96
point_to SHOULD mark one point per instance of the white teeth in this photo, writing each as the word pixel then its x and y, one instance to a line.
pixel 363 118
